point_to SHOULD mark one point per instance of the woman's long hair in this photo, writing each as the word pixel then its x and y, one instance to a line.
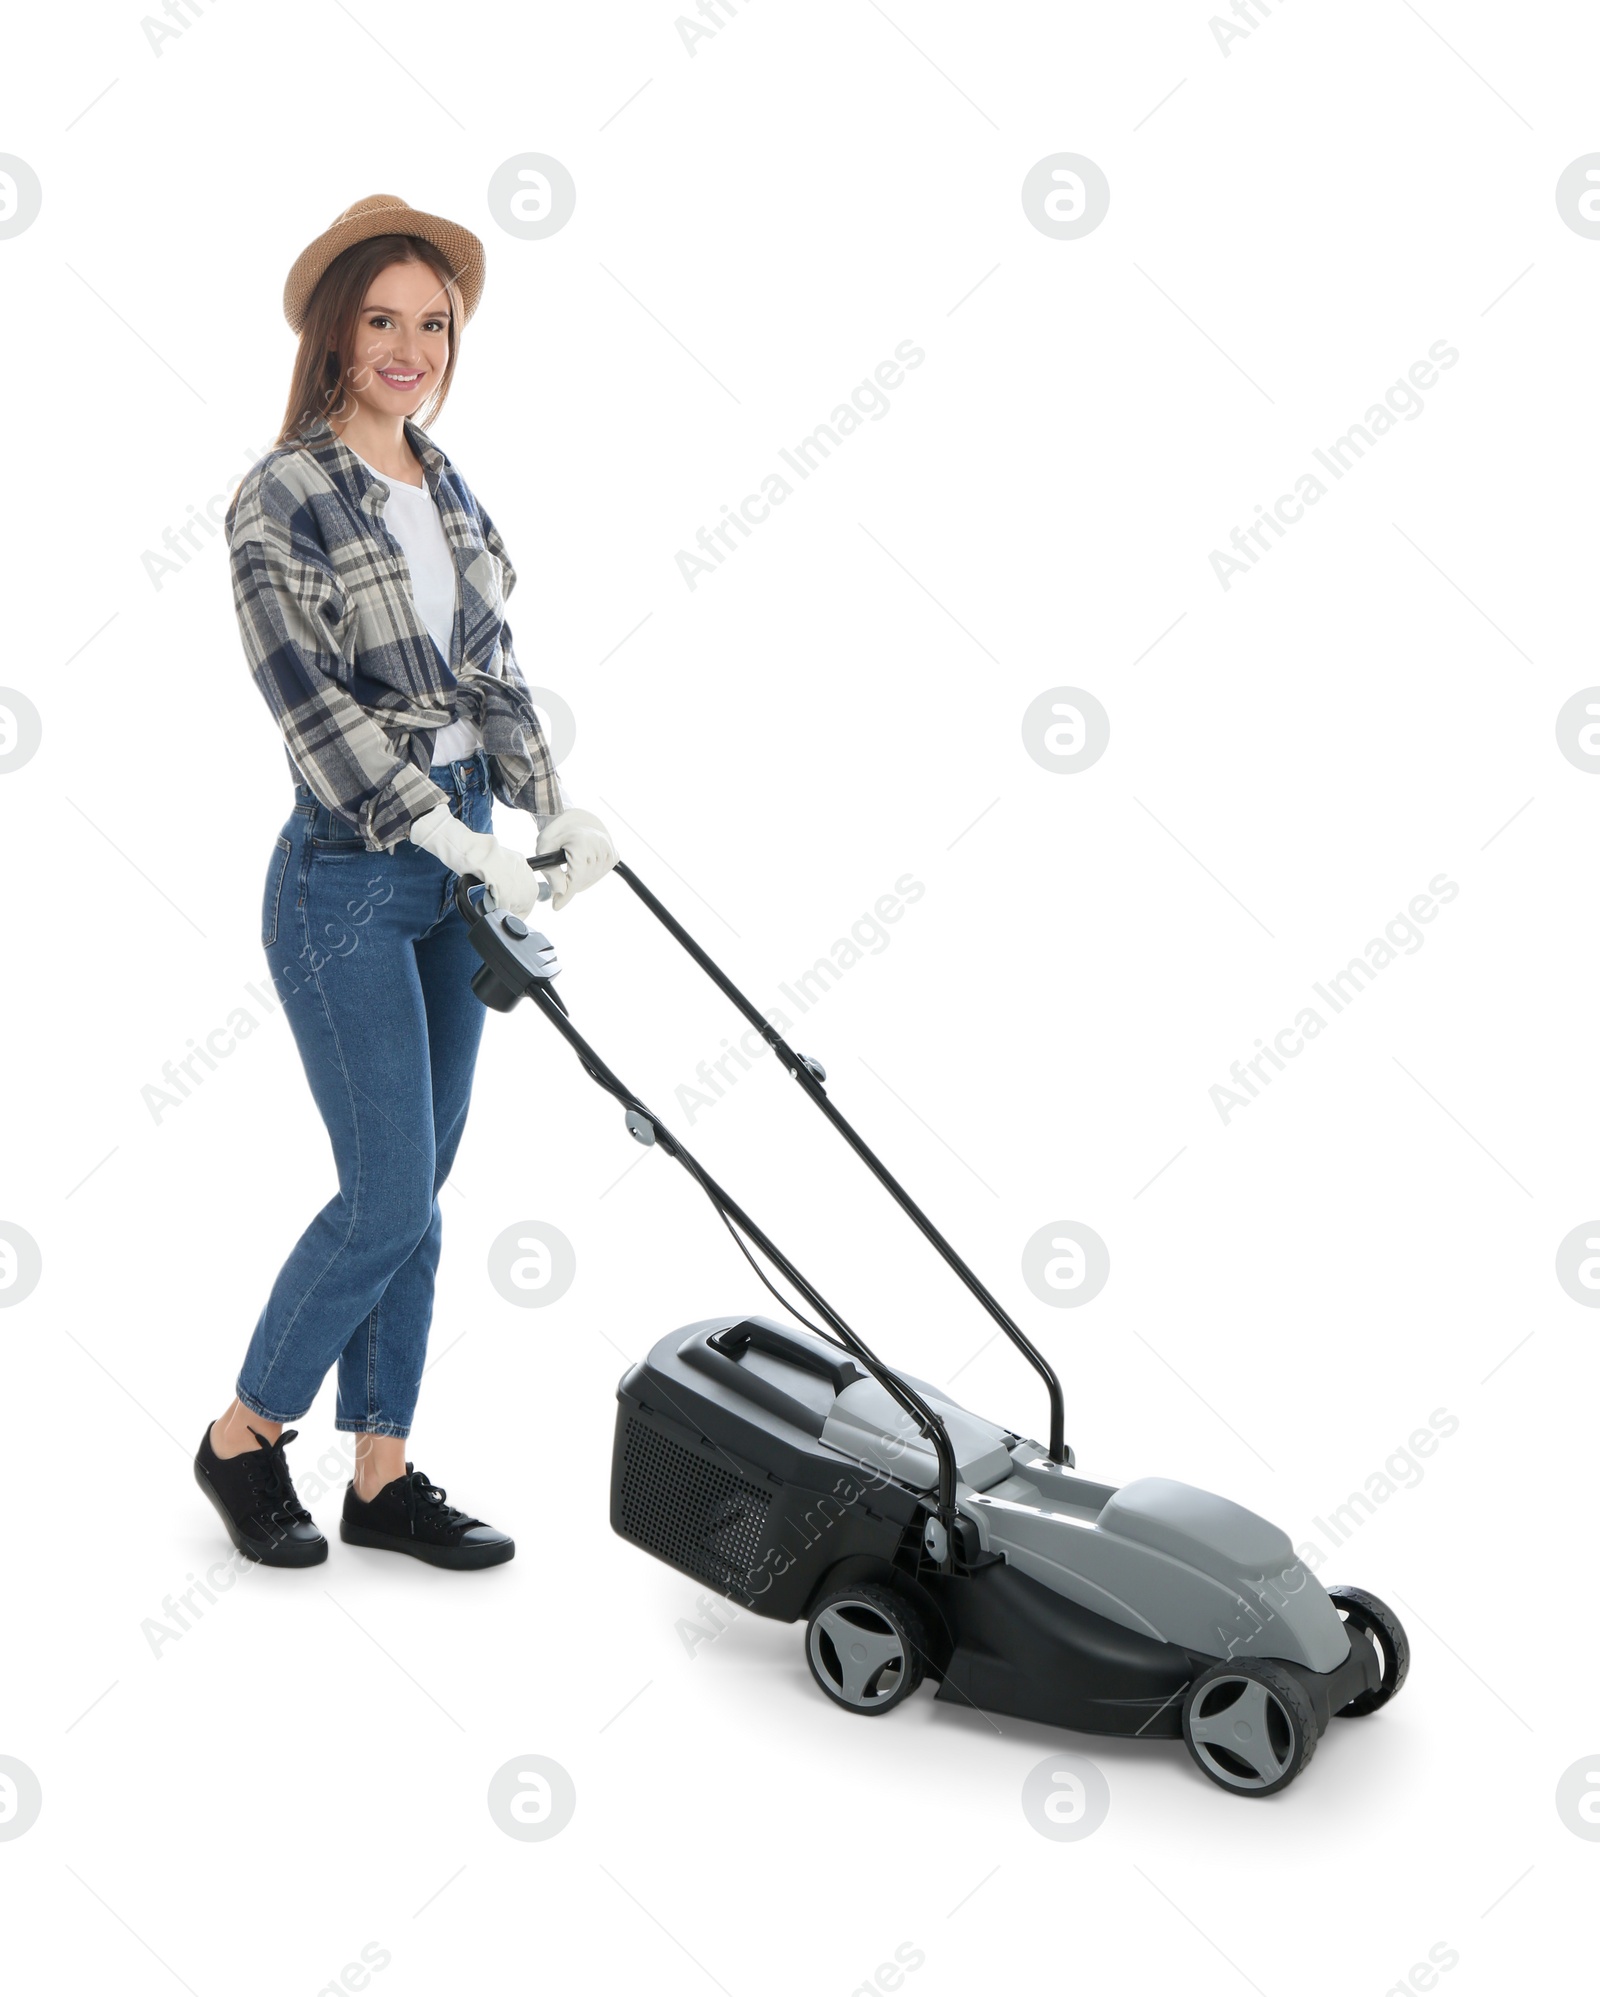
pixel 326 364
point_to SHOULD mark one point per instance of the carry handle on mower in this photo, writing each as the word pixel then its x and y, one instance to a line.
pixel 519 963
pixel 739 1338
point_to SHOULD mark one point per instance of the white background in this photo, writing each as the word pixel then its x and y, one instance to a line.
pixel 1291 760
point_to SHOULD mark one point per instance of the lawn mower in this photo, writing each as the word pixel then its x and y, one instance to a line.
pixel 804 1479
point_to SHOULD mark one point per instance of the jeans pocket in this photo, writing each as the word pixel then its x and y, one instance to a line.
pixel 276 870
pixel 328 834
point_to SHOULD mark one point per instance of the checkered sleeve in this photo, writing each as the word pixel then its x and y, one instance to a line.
pixel 524 768
pixel 294 619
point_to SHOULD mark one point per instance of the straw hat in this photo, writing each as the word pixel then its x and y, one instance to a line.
pixel 384 215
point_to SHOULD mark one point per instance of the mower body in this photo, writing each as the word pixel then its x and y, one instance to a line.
pixel 770 1466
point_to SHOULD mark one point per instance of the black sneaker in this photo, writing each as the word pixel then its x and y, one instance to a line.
pixel 255 1499
pixel 411 1516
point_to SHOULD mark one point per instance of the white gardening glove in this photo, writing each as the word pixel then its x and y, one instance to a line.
pixel 511 882
pixel 588 848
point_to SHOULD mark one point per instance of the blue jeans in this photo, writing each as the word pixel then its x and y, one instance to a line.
pixel 372 964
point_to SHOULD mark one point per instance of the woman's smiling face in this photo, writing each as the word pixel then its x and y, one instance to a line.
pixel 402 340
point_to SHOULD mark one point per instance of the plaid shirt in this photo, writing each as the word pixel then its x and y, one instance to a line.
pixel 342 659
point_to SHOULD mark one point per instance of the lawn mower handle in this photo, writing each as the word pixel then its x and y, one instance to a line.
pixel 810 1076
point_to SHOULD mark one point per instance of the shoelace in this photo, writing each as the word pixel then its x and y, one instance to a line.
pixel 431 1495
pixel 270 1480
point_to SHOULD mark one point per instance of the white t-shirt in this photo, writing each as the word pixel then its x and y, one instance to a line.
pixel 412 517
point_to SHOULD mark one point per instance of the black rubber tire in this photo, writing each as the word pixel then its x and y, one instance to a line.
pixel 881 1611
pixel 1294 1726
pixel 1381 1623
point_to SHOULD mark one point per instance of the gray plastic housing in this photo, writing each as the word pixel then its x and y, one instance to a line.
pixel 1164 1558
pixel 1174 1562
pixel 867 1422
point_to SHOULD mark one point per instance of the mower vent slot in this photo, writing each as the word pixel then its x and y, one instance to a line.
pixel 699 1516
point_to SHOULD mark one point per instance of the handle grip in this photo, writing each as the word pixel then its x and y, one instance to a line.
pixel 465 883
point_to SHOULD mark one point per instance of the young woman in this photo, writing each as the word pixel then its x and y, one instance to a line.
pixel 370 587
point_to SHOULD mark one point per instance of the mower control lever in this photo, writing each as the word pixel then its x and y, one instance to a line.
pixel 515 957
pixel 546 860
